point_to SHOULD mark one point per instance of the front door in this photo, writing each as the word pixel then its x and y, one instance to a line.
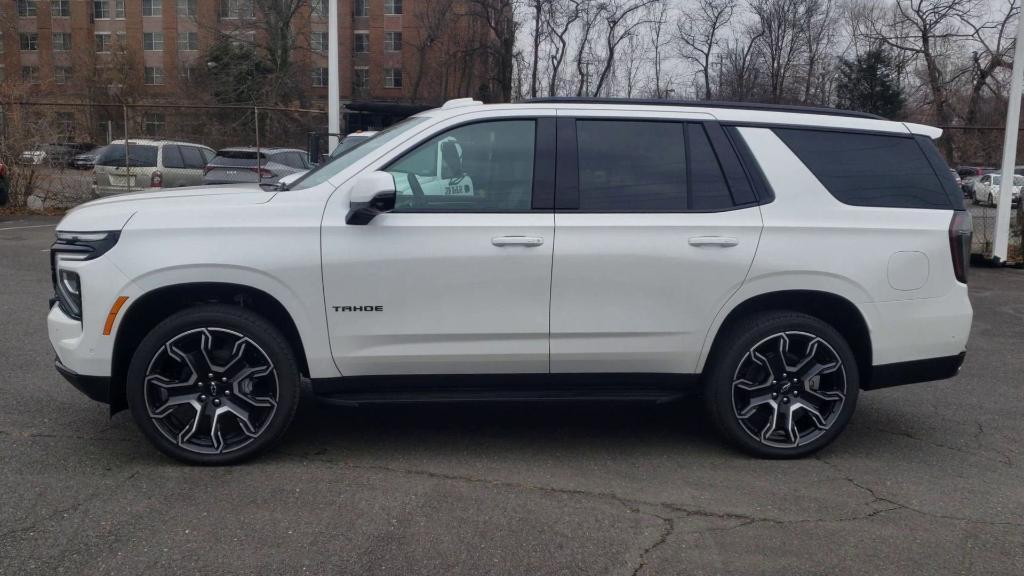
pixel 456 279
pixel 655 232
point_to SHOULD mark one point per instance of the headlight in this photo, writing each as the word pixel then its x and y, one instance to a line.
pixel 75 246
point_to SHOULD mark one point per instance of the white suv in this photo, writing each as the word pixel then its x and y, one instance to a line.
pixel 772 261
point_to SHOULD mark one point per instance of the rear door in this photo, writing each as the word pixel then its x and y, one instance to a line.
pixel 657 224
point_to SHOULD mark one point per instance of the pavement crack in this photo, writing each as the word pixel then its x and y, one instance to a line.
pixel 1002 459
pixel 668 527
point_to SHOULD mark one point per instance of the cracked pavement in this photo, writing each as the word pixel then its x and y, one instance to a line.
pixel 928 478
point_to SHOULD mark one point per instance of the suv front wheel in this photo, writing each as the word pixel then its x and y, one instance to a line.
pixel 213 384
pixel 782 385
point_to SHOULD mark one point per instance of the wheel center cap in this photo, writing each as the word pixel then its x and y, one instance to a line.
pixel 213 388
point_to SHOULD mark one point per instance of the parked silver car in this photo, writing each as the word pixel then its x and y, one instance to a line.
pixel 266 166
pixel 149 165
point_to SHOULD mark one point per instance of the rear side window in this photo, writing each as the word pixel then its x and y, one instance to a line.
pixel 869 169
pixel 172 157
pixel 192 157
pixel 648 166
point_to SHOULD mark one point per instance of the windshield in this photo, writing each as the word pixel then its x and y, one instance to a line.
pixel 138 155
pixel 356 153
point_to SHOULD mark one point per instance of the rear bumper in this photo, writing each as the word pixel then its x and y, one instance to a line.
pixel 927 370
pixel 95 387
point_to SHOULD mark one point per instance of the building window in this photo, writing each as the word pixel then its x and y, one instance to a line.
pixel 237 9
pixel 392 41
pixel 60 8
pixel 188 41
pixel 153 41
pixel 30 74
pixel 61 41
pixel 100 10
pixel 26 8
pixel 316 8
pixel 153 124
pixel 29 41
pixel 186 7
pixel 361 78
pixel 119 9
pixel 103 42
pixel 186 72
pixel 318 41
pixel 152 7
pixel 61 74
pixel 361 43
pixel 121 40
pixel 393 7
pixel 392 77
pixel 319 77
pixel 361 8
pixel 153 76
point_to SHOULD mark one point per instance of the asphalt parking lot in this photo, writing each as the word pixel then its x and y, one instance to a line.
pixel 928 478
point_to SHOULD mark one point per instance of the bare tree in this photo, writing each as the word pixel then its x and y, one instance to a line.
pixel 658 40
pixel 996 53
pixel 436 18
pixel 498 17
pixel 819 28
pixel 622 20
pixel 561 18
pixel 700 33
pixel 780 41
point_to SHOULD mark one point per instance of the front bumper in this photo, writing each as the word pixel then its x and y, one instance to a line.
pixel 95 387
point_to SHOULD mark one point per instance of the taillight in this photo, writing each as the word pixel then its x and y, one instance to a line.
pixel 206 169
pixel 960 232
pixel 263 172
pixel 156 180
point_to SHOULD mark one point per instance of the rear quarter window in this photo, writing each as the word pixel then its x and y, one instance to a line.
pixel 877 170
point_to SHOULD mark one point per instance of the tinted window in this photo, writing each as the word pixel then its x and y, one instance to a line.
pixel 138 155
pixel 292 159
pixel 869 169
pixel 708 188
pixel 631 166
pixel 483 167
pixel 172 157
pixel 193 157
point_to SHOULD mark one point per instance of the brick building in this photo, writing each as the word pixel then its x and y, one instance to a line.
pixel 94 50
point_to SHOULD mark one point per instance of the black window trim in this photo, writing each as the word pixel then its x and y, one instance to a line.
pixel 567 192
pixel 536 119
pixel 751 167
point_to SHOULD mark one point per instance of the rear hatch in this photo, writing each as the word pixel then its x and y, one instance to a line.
pixel 131 169
pixel 233 166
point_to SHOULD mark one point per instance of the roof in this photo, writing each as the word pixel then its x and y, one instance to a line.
pixel 742 113
pixel 707 104
pixel 148 142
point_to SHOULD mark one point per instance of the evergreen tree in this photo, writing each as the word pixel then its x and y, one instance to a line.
pixel 869 83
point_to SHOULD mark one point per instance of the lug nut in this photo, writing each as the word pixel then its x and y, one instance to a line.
pixel 223 379
pixel 216 402
pixel 775 394
pixel 202 397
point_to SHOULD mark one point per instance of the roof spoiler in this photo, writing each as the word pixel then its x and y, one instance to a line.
pixel 924 130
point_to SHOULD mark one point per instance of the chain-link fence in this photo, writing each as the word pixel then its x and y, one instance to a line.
pixel 59 155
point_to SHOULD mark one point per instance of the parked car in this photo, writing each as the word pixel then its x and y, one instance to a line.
pixel 86 160
pixel 347 143
pixel 986 189
pixel 968 174
pixel 54 154
pixel 267 166
pixel 573 249
pixel 149 165
pixel 956 177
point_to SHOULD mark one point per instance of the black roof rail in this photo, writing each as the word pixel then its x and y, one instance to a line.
pixel 706 104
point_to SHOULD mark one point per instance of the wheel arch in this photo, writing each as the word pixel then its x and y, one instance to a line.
pixel 838 311
pixel 149 309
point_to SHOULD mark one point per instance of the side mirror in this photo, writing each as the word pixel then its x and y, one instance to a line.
pixel 372 194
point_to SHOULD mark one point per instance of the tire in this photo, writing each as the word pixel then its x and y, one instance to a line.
pixel 240 412
pixel 743 391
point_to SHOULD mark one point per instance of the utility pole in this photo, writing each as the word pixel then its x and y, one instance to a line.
pixel 1000 246
pixel 333 86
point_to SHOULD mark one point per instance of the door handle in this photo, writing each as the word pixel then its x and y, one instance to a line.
pixel 723 241
pixel 528 241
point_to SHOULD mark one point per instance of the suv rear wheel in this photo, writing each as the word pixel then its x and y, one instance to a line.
pixel 783 385
pixel 213 384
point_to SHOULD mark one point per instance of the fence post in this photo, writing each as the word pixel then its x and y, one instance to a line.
pixel 256 117
pixel 127 161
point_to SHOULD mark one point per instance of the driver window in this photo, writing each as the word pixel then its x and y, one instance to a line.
pixel 482 167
